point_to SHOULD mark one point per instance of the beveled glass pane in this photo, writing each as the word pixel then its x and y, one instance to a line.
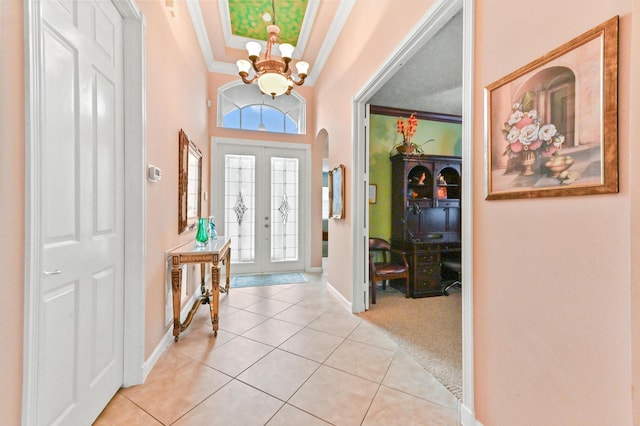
pixel 239 206
pixel 284 209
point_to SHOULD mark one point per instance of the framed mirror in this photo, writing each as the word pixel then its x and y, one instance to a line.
pixel 189 183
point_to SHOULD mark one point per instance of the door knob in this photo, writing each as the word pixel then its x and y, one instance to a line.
pixel 54 272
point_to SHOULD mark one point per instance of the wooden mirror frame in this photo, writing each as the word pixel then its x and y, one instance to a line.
pixel 188 151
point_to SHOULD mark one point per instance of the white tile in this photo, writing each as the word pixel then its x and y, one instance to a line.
pixel 291 416
pixel 268 307
pixel 312 344
pixel 408 376
pixel 237 355
pixel 279 373
pixel 336 397
pixel 340 325
pixel 234 404
pixel 272 332
pixel 391 407
pixel 366 361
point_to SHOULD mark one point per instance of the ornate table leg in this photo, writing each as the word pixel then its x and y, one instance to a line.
pixel 227 264
pixel 203 290
pixel 215 296
pixel 176 283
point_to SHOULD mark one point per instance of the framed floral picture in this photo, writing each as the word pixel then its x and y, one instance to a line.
pixel 336 192
pixel 551 125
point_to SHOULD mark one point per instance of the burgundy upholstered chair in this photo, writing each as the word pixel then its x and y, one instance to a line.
pixel 391 264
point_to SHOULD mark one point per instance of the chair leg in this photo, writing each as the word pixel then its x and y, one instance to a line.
pixel 373 292
pixel 457 282
pixel 446 289
pixel 407 290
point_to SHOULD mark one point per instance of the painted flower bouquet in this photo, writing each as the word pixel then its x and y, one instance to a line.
pixel 525 131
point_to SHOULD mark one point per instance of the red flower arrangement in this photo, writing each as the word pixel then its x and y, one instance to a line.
pixel 408 129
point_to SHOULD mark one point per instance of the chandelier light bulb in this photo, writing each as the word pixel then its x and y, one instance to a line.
pixel 286 50
pixel 243 65
pixel 253 48
pixel 302 67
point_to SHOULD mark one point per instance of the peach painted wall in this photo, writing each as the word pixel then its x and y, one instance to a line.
pixel 12 206
pixel 634 229
pixel 551 276
pixel 218 80
pixel 176 99
pixel 360 50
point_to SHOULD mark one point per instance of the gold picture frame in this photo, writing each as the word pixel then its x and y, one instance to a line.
pixel 189 183
pixel 336 192
pixel 551 125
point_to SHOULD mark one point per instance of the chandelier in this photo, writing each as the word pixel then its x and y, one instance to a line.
pixel 273 75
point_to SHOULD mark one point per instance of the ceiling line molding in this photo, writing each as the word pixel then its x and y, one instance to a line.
pixel 225 22
pixel 201 33
pixel 307 25
pixel 340 18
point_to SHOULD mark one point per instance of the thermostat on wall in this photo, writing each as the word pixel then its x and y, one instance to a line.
pixel 153 173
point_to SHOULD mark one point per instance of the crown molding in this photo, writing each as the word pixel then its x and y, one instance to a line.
pixel 340 18
pixel 201 33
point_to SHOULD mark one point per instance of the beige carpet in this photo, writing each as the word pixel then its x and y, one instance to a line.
pixel 429 329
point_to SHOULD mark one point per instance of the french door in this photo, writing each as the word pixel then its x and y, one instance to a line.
pixel 259 202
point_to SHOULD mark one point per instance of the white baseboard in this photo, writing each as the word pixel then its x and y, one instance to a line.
pixel 166 340
pixel 314 269
pixel 468 418
pixel 344 302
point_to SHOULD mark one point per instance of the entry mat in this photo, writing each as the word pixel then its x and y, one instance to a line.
pixel 267 279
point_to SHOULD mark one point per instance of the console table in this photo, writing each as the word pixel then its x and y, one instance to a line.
pixel 215 252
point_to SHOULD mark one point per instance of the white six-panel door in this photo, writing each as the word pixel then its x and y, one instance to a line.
pixel 80 338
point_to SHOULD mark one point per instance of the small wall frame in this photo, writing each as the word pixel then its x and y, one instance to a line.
pixel 336 192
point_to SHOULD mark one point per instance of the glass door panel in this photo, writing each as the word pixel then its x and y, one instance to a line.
pixel 284 209
pixel 239 206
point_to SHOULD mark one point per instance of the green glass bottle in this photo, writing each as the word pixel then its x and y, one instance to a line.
pixel 202 237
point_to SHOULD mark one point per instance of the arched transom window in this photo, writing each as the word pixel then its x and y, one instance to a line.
pixel 242 106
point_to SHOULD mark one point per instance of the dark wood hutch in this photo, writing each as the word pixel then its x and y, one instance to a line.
pixel 426 215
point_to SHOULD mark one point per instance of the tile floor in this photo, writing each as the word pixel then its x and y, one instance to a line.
pixel 284 355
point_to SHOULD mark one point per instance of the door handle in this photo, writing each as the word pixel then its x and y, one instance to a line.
pixel 54 272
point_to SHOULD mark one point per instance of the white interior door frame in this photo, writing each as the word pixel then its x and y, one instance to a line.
pixel 135 197
pixel 434 19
